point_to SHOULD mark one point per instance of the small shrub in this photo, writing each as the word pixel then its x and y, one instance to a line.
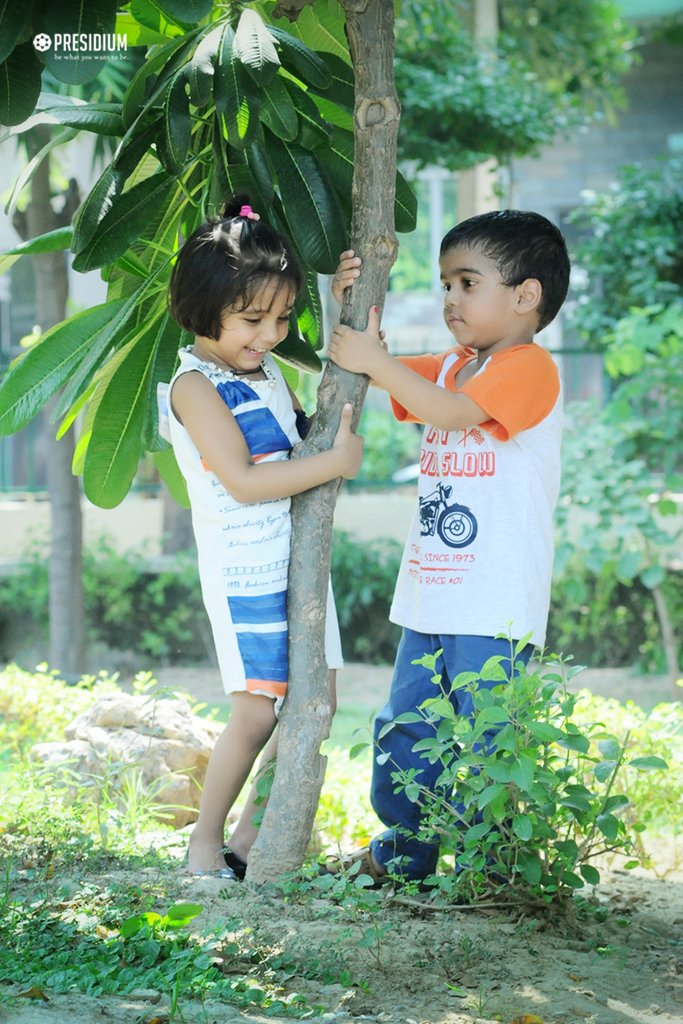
pixel 538 803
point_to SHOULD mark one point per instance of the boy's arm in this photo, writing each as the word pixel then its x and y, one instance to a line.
pixel 364 352
pixel 220 442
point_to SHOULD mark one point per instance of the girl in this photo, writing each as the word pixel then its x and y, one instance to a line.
pixel 233 422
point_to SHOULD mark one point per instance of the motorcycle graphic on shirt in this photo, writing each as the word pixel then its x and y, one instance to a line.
pixel 454 524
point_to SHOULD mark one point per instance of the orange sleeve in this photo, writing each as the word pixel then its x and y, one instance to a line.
pixel 427 366
pixel 518 387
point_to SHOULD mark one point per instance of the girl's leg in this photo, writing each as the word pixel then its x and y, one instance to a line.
pixel 245 831
pixel 251 724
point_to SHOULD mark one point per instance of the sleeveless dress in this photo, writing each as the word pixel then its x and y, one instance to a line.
pixel 243 549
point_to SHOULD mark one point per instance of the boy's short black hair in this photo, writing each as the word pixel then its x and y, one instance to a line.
pixel 523 244
pixel 224 264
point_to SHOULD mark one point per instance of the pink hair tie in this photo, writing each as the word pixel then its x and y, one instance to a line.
pixel 246 211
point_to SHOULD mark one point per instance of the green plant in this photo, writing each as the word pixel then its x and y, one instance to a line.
pixel 538 797
pixel 630 251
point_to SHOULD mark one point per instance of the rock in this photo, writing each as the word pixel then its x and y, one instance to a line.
pixel 158 745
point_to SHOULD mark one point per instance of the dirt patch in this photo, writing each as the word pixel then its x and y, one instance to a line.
pixel 616 959
pixel 620 963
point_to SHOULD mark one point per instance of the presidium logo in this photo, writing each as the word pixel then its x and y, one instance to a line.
pixel 77 45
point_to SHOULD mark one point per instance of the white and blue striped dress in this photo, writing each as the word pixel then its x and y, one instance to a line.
pixel 243 550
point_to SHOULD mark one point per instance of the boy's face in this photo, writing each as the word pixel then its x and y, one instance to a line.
pixel 481 311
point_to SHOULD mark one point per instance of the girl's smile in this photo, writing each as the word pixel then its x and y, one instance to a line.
pixel 247 334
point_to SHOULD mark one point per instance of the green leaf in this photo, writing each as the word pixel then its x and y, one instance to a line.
pixel 112 457
pixel 19 84
pixel 310 204
pixel 183 913
pixel 628 565
pixel 298 58
pixel 14 19
pixel 134 99
pixel 610 748
pixel 309 312
pixel 323 28
pixel 529 866
pixel 604 770
pixel 298 353
pixel 41 372
pixel 489 794
pixel 73 17
pixel 608 825
pixel 254 47
pixel 177 125
pixel 99 118
pixel 232 93
pixel 138 34
pixel 575 741
pixel 648 763
pixel 277 110
pixel 125 221
pixel 95 207
pixel 653 576
pixel 341 90
pixel 200 71
pixel 590 874
pixel 493 671
pixel 313 131
pixel 51 241
pixel 522 827
pixel 545 732
pixel 169 472
pixel 58 138
pixel 405 207
pixel 522 773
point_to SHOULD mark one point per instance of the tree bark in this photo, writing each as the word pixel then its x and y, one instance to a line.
pixel 306 715
pixel 67 626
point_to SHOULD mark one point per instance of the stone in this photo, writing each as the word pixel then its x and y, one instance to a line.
pixel 161 740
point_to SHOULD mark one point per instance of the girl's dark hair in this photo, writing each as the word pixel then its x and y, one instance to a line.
pixel 523 244
pixel 224 264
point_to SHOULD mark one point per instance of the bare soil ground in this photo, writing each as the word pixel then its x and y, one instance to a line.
pixel 620 962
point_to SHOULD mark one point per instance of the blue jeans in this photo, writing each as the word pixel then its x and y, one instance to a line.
pixel 410 686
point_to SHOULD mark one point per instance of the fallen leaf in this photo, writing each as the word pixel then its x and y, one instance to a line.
pixel 527 1018
pixel 33 993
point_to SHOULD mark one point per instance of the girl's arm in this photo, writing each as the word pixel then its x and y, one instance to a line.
pixel 220 442
pixel 364 352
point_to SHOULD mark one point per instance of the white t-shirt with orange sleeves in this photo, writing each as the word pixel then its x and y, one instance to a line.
pixel 479 554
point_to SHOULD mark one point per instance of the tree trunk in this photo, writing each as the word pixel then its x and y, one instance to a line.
pixel 67 626
pixel 306 716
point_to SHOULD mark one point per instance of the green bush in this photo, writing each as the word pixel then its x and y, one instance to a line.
pixel 539 795
pixel 606 623
pixel 363 577
pixel 129 606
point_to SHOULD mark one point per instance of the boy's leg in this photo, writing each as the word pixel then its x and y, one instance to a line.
pixel 410 686
pixel 252 721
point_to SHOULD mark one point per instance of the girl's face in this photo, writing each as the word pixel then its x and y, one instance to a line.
pixel 247 334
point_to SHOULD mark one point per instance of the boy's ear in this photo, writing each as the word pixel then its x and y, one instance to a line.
pixel 529 294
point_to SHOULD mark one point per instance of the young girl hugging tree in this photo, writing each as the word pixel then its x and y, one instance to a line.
pixel 232 421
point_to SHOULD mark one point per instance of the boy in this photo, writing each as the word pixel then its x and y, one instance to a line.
pixel 478 558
